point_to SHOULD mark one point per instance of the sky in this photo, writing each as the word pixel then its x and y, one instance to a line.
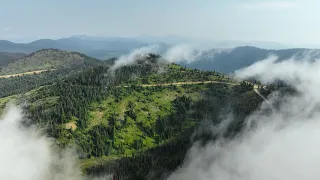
pixel 284 21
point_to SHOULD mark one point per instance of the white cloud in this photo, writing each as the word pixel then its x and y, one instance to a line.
pixel 26 154
pixel 133 55
pixel 187 53
pixel 284 144
pixel 182 52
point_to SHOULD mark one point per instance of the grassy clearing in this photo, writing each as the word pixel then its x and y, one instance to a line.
pixel 148 105
pixel 71 125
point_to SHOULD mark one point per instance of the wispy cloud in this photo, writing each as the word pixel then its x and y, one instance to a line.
pixel 134 55
pixel 284 143
pixel 5 29
pixel 176 53
pixel 26 154
pixel 268 4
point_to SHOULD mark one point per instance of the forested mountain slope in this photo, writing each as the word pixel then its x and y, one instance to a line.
pixel 48 59
pixel 7 57
pixel 118 124
pixel 41 68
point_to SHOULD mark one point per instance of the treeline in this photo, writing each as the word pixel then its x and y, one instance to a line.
pixel 24 83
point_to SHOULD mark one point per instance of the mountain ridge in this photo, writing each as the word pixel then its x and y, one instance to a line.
pixel 229 60
pixel 7 58
pixel 89 46
pixel 106 47
pixel 221 60
pixel 47 59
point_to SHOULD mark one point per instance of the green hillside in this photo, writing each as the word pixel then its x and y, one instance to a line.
pixel 57 64
pixel 138 118
pixel 48 59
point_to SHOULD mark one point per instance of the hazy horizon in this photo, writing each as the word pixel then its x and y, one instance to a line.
pixel 229 20
pixel 182 40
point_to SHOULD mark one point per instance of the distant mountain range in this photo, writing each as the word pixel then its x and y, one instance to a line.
pixel 225 57
pixel 229 60
pixel 107 47
pixel 102 48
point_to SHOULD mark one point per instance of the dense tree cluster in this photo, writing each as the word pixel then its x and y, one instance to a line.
pixel 157 162
pixel 24 83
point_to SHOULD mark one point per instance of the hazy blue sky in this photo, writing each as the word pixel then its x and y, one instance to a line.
pixel 287 21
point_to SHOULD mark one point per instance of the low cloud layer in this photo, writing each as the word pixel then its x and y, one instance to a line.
pixel 182 52
pixel 186 53
pixel 26 154
pixel 133 55
pixel 284 145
